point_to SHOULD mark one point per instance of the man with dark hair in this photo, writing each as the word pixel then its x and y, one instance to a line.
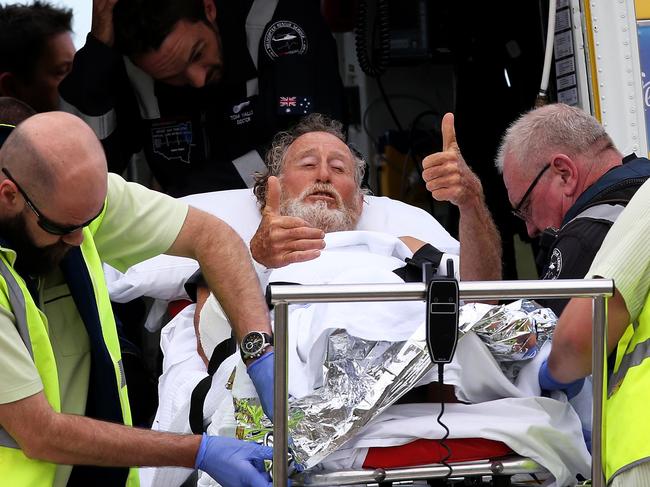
pixel 204 84
pixel 36 52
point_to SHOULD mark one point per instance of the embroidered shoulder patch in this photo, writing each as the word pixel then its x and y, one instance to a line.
pixel 555 265
pixel 284 38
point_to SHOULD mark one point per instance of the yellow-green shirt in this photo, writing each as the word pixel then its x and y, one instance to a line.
pixel 138 224
pixel 625 253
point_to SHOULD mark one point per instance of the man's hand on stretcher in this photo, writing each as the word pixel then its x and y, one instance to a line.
pixel 282 240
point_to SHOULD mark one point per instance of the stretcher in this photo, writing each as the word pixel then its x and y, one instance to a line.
pixel 501 469
pixel 163 278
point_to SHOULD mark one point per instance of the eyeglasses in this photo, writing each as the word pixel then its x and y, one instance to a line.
pixel 45 223
pixel 517 209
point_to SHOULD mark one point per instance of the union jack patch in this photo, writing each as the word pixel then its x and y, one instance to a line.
pixel 294 105
pixel 288 101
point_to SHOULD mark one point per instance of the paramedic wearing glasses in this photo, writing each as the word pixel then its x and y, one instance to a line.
pixel 568 183
pixel 64 409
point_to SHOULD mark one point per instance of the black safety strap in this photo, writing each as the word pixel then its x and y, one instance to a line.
pixel 412 271
pixel 220 353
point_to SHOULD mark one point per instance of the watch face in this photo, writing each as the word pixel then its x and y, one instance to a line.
pixel 253 343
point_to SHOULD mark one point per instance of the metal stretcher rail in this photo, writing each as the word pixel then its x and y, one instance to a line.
pixel 504 466
pixel 281 296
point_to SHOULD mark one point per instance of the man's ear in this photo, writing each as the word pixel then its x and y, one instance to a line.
pixel 563 166
pixel 210 10
pixel 8 195
pixel 7 84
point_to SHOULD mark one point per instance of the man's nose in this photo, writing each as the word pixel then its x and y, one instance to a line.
pixel 196 75
pixel 323 171
pixel 75 238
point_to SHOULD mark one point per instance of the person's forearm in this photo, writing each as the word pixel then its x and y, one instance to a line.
pixel 570 357
pixel 79 440
pixel 480 243
pixel 228 271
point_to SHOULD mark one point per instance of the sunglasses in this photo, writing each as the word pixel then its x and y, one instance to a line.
pixel 517 210
pixel 45 223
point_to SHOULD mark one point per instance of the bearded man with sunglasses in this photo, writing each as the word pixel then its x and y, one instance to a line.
pixel 64 407
pixel 568 182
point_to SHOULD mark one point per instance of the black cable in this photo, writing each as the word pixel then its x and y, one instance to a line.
pixel 441 374
pixel 373 103
pixel 380 56
pixel 412 153
pixel 388 104
pixel 375 63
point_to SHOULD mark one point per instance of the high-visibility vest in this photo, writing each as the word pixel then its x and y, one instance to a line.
pixel 16 469
pixel 626 420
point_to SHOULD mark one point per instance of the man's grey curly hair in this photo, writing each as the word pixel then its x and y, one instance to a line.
pixel 274 158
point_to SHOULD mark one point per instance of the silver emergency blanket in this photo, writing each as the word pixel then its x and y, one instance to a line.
pixel 362 378
pixel 513 333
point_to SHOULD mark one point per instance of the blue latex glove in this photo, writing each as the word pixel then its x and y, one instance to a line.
pixel 234 463
pixel 548 383
pixel 261 373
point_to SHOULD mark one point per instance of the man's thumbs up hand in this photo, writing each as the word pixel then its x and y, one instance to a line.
pixel 282 240
pixel 447 176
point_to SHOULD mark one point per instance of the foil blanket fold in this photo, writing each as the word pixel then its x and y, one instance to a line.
pixel 362 378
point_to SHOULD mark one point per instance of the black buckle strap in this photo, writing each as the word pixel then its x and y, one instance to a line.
pixel 221 352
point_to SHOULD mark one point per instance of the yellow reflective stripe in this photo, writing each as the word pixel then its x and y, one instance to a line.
pixel 17 300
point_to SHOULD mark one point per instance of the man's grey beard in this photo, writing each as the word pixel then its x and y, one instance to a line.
pixel 318 214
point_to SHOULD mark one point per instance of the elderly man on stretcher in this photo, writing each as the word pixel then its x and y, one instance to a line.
pixel 311 205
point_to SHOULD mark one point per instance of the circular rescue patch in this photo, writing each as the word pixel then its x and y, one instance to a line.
pixel 555 265
pixel 284 38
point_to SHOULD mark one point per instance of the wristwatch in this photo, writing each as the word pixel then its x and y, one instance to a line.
pixel 254 343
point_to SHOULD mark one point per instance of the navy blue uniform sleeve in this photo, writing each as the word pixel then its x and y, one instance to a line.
pixel 97 89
